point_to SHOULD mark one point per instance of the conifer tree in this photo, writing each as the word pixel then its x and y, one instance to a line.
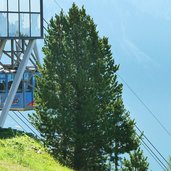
pixel 169 166
pixel 137 162
pixel 80 112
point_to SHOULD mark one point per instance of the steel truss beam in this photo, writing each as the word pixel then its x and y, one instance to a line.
pixel 2 46
pixel 16 82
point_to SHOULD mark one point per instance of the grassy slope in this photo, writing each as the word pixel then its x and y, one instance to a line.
pixel 20 152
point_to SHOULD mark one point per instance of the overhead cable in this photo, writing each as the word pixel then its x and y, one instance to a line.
pixel 153 155
pixel 151 144
pixel 148 109
pixel 17 122
pixel 29 122
pixel 56 2
pixel 26 124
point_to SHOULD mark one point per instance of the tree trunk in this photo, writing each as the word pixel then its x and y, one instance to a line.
pixel 116 161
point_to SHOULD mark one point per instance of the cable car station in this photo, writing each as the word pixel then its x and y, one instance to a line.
pixel 21 25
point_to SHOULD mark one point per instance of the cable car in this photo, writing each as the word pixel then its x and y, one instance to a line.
pixel 24 98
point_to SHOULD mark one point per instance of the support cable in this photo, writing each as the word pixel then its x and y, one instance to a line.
pixel 152 144
pixel 148 109
pixel 152 155
pixel 45 22
pixel 17 122
pixel 29 122
pixel 56 2
pixel 45 29
pixel 27 125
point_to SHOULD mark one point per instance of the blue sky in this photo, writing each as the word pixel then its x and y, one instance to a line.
pixel 140 34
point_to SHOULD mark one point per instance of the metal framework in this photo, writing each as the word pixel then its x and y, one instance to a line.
pixel 16 82
pixel 18 49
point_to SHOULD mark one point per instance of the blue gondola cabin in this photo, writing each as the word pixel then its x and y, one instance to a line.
pixel 24 98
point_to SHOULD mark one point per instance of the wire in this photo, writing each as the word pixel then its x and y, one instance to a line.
pixel 27 125
pixel 152 155
pixel 164 128
pixel 148 109
pixel 45 28
pixel 29 122
pixel 155 157
pixel 152 144
pixel 45 21
pixel 58 4
pixel 17 122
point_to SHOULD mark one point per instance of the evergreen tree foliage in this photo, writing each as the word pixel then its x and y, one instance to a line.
pixel 80 112
pixel 169 166
pixel 137 162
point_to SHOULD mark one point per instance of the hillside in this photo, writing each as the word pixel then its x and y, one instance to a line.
pixel 21 152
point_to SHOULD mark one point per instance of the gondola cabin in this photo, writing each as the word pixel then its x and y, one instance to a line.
pixel 24 98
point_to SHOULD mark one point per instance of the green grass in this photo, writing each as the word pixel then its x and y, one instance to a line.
pixel 21 152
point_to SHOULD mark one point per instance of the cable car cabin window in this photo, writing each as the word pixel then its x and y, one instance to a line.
pixel 20 87
pixel 10 80
pixel 2 86
pixel 3 82
pixel 29 87
pixel 28 81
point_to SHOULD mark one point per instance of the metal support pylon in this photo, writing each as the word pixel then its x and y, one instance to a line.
pixel 16 82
